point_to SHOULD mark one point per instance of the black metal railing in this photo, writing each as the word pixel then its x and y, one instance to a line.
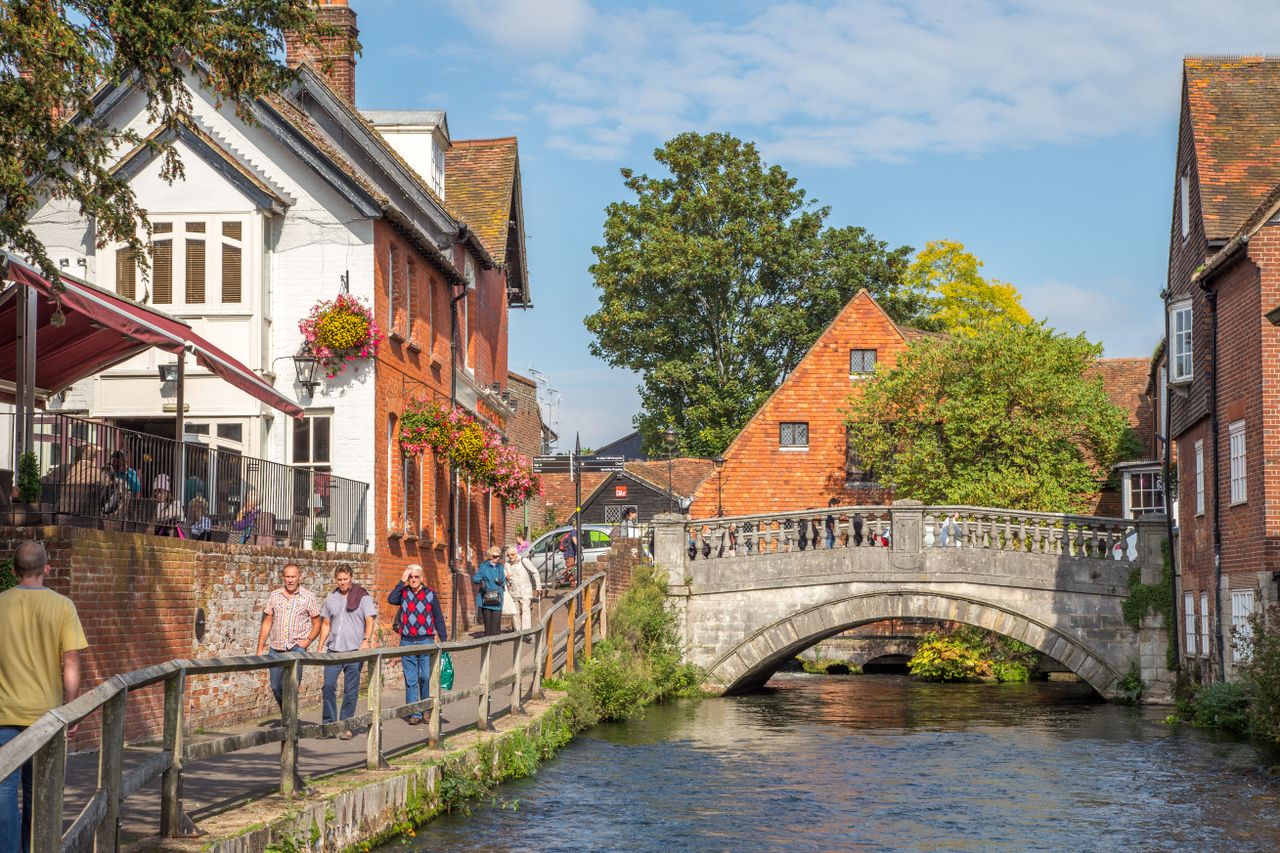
pixel 95 474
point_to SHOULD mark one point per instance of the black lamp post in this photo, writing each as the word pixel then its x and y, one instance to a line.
pixel 719 460
pixel 669 438
pixel 305 366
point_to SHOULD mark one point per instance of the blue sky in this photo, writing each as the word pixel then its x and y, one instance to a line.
pixel 1039 134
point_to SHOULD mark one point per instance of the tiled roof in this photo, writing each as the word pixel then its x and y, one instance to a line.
pixel 1126 381
pixel 558 491
pixel 1234 104
pixel 479 181
pixel 686 474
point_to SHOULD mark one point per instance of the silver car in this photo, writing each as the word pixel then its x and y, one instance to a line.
pixel 549 559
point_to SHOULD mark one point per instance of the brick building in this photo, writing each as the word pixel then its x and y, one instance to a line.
pixel 532 437
pixel 793 453
pixel 1223 379
pixel 310 199
pixel 649 487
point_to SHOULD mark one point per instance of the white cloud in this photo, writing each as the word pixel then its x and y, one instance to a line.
pixel 836 82
pixel 531 26
pixel 1117 314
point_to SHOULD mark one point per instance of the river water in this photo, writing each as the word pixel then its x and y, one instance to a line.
pixel 885 763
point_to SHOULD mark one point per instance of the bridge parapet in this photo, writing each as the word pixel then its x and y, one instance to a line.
pixel 909 527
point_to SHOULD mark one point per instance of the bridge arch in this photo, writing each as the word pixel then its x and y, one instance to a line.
pixel 751 662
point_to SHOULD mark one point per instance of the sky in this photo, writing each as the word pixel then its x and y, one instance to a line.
pixel 1039 134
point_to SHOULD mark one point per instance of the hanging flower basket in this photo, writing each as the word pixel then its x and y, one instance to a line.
pixel 472 448
pixel 340 330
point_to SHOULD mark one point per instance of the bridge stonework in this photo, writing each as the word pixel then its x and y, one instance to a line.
pixel 752 592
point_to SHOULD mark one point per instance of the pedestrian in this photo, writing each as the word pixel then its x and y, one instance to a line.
pixel 630 527
pixel 346 626
pixel 419 621
pixel 569 548
pixel 524 582
pixel 247 519
pixel 830 524
pixel 199 524
pixel 41 639
pixel 492 580
pixel 168 510
pixel 857 523
pixel 290 623
pixel 522 541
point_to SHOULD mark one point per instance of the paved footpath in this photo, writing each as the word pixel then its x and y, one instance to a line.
pixel 222 782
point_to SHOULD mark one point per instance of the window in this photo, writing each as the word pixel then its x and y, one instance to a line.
pixel 862 362
pixel 1241 629
pixel 410 512
pixel 1143 493
pixel 429 294
pixel 410 282
pixel 464 324
pixel 1200 477
pixel 794 434
pixel 613 512
pixel 1189 624
pixel 1239 484
pixel 311 453
pixel 395 309
pixel 1184 202
pixel 1204 624
pixel 195 263
pixel 1180 332
pixel 391 467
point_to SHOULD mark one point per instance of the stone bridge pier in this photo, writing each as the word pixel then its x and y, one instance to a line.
pixel 754 591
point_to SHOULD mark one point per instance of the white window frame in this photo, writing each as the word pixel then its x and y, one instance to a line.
pixel 1184 203
pixel 1242 605
pixel 250 264
pixel 1199 454
pixel 1189 624
pixel 1127 491
pixel 469 269
pixel 1204 624
pixel 1239 463
pixel 1181 342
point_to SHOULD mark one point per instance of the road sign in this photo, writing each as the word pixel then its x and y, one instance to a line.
pixel 567 464
pixel 601 463
pixel 551 464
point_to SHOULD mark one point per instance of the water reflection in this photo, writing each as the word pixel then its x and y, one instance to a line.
pixel 885 763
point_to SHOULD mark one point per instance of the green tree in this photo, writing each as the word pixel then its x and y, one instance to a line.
pixel 54 57
pixel 716 280
pixel 959 300
pixel 1008 416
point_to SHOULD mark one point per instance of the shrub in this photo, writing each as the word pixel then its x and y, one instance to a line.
pixel 1223 705
pixel 319 538
pixel 947 659
pixel 7 577
pixel 28 478
pixel 1006 670
pixel 1261 678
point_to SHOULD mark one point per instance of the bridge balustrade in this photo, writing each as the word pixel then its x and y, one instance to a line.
pixel 913 527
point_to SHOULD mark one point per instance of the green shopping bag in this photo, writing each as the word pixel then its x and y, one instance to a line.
pixel 446 671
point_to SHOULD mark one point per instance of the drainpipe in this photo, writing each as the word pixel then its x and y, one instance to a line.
pixel 1166 464
pixel 1211 296
pixel 459 238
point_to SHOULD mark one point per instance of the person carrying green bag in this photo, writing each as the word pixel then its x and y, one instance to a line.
pixel 420 620
pixel 446 671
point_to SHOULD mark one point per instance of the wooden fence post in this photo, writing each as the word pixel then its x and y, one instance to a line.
pixel 482 710
pixel 171 823
pixel 289 779
pixel 49 779
pixel 590 606
pixel 549 638
pixel 110 765
pixel 604 611
pixel 373 759
pixel 569 662
pixel 517 695
pixel 433 687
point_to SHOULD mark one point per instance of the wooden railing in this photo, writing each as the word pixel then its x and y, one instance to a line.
pixel 871 526
pixel 96 828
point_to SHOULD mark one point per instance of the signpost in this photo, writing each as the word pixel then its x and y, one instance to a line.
pixel 575 465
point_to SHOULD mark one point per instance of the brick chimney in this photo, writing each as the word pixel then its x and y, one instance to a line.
pixel 334 55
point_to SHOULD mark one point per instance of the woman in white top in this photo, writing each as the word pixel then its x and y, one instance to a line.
pixel 523 584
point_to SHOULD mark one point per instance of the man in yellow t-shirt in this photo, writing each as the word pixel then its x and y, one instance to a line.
pixel 40 643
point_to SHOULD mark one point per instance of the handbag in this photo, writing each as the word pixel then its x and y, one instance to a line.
pixel 491 596
pixel 446 671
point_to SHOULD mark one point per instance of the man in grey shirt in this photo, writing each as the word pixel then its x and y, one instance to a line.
pixel 346 625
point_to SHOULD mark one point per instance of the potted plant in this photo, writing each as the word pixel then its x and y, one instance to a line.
pixel 338 331
pixel 27 510
pixel 319 538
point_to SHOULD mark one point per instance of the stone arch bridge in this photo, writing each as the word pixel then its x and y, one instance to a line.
pixel 754 591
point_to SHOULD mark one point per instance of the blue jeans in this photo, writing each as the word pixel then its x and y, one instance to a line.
pixel 350 690
pixel 15 832
pixel 417 670
pixel 277 673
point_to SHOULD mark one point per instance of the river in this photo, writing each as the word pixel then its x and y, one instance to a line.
pixel 884 763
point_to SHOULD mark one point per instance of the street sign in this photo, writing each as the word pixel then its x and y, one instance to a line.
pixel 551 464
pixel 568 464
pixel 601 463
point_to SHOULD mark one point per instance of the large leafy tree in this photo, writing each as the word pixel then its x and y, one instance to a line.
pixel 1009 416
pixel 957 298
pixel 714 282
pixel 56 54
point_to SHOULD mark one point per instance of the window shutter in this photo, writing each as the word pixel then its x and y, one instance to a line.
pixel 127 273
pixel 195 272
pixel 232 264
pixel 162 272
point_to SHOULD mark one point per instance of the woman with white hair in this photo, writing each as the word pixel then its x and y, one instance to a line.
pixel 523 584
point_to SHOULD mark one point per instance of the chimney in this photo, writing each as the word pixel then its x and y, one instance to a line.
pixel 334 55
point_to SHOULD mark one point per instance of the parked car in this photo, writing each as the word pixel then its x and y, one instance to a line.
pixel 549 560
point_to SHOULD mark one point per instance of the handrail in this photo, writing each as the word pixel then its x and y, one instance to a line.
pixel 45 741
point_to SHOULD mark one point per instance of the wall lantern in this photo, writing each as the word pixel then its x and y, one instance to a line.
pixel 305 367
pixel 169 372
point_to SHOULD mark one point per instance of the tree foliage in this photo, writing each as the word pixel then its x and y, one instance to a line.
pixel 716 279
pixel 54 57
pixel 1009 416
pixel 958 299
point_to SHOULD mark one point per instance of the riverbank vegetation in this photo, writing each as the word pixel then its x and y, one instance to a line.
pixel 640 663
pixel 971 654
pixel 1250 705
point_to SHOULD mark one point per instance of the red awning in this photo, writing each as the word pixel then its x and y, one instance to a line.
pixel 102 330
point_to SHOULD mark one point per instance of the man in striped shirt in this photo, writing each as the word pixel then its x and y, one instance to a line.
pixel 290 623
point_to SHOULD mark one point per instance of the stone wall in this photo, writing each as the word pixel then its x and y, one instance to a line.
pixel 618 564
pixel 139 597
